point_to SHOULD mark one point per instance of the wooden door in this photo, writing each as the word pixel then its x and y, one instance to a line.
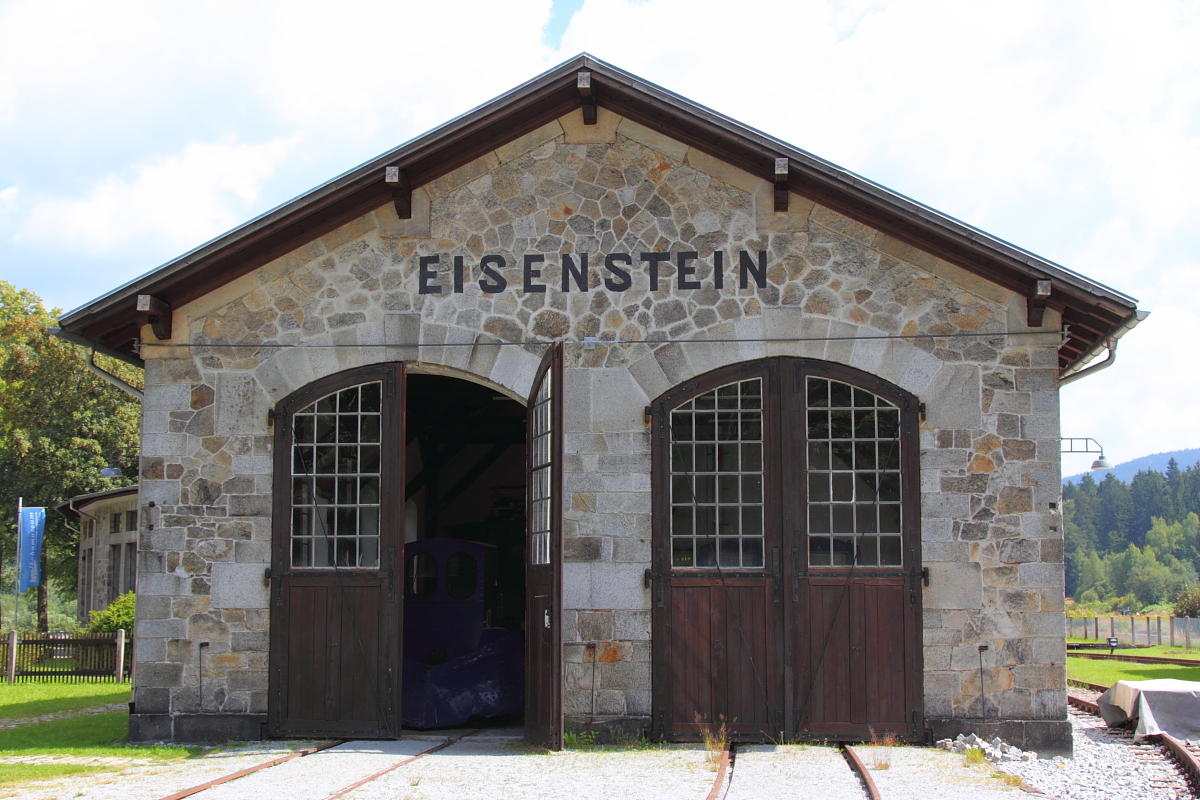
pixel 854 615
pixel 794 611
pixel 543 556
pixel 337 544
pixel 717 603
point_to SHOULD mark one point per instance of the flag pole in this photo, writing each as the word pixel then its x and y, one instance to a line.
pixel 17 575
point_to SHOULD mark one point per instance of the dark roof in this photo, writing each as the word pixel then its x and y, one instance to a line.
pixel 1093 311
pixel 84 500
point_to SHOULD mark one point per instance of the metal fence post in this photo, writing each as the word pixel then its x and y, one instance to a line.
pixel 120 654
pixel 12 656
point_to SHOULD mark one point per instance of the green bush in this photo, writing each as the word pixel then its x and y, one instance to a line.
pixel 119 614
pixel 1188 603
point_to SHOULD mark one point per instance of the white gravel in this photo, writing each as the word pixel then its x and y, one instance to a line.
pixel 786 771
pixel 922 773
pixel 1104 767
pixel 136 778
pixel 484 770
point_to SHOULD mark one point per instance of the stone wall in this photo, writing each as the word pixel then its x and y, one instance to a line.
pixel 989 444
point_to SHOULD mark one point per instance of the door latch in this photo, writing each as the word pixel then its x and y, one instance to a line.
pixel 546 617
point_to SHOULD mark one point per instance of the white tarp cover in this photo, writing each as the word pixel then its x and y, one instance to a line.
pixel 1164 705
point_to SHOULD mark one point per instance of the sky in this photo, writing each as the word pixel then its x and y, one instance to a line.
pixel 131 132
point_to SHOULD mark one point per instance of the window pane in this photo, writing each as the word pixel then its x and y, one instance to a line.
pixel 853 476
pixel 716 483
pixel 335 488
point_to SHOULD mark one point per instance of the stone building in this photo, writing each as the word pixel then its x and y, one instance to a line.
pixel 750 436
pixel 108 544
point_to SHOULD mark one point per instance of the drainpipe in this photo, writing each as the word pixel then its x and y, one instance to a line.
pixel 1109 344
pixel 92 347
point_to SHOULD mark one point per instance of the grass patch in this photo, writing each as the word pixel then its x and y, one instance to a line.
pixel 1109 672
pixel 97 735
pixel 974 757
pixel 14 774
pixel 23 700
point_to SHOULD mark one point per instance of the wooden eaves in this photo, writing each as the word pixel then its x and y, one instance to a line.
pixel 1093 313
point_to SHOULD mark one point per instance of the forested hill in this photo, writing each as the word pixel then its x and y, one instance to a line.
pixel 1125 471
pixel 1135 543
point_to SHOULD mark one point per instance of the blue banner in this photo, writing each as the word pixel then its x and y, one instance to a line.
pixel 31 525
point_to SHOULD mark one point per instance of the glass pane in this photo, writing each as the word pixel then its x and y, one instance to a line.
pixel 819 551
pixel 370 397
pixel 462 576
pixel 818 393
pixel 727 458
pixel 889 551
pixel 421 576
pixel 681 551
pixel 752 552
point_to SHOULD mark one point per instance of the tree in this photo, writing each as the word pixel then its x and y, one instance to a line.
pixel 59 425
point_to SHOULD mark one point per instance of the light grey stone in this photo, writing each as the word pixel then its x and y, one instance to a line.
pixel 239 586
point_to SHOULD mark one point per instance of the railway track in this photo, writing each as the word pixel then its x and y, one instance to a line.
pixel 720 785
pixel 1174 763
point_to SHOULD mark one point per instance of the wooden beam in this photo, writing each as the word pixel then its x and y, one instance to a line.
pixel 401 191
pixel 781 184
pixel 464 483
pixel 1036 309
pixel 583 82
pixel 158 314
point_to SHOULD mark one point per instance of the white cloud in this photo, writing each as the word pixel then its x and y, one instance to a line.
pixel 176 201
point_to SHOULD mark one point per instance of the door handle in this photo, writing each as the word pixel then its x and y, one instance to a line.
pixel 546 617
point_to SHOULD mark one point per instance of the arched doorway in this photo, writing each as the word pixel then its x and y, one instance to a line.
pixel 786 596
pixel 374 459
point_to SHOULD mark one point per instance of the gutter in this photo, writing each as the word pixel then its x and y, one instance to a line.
pixel 92 347
pixel 1077 371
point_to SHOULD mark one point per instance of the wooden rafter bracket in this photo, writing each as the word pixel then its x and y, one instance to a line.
pixel 157 314
pixel 1039 294
pixel 583 82
pixel 781 184
pixel 396 178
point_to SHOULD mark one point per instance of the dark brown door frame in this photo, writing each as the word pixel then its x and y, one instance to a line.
pixel 331 589
pixel 788 672
pixel 543 582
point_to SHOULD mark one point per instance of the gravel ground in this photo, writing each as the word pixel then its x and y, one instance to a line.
pixel 922 773
pixel 1104 767
pixel 514 771
pixel 146 779
pixel 778 772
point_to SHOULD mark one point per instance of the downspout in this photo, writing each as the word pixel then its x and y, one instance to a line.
pixel 113 379
pixel 1109 344
pixel 92 347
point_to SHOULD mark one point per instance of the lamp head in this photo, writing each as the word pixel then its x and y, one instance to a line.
pixel 111 471
pixel 1101 463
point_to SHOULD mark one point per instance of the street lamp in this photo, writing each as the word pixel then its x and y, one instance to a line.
pixel 1085 445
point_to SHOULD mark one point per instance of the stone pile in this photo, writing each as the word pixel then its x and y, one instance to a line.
pixel 995 750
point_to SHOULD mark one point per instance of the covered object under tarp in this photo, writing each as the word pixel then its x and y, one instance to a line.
pixel 1165 705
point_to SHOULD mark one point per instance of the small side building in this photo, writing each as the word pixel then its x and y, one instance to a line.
pixel 108 545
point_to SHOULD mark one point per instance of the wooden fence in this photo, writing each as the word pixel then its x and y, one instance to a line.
pixel 1172 631
pixel 59 657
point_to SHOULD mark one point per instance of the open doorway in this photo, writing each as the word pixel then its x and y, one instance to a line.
pixel 464 567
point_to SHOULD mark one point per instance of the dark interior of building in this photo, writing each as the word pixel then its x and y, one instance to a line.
pixel 465 479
